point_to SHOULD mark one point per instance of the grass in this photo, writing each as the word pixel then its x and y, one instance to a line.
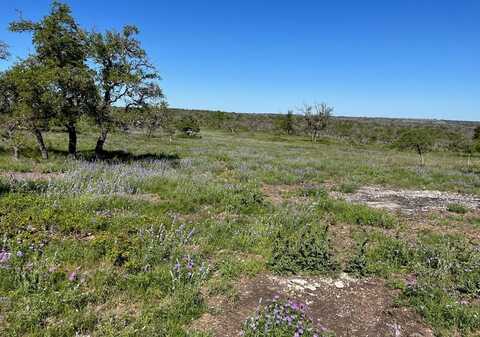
pixel 132 246
pixel 457 208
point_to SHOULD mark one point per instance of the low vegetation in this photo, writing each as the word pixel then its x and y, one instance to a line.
pixel 125 246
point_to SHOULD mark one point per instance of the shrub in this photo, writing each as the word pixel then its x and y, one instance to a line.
pixel 304 248
pixel 189 126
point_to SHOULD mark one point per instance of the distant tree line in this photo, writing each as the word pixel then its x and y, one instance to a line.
pixel 420 136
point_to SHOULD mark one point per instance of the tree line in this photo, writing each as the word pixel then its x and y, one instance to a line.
pixel 75 73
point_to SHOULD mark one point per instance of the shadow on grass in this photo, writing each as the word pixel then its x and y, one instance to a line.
pixel 118 156
pixel 123 156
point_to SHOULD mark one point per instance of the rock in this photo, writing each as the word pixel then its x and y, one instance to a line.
pixel 339 284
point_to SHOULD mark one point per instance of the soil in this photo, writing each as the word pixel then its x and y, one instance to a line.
pixel 345 306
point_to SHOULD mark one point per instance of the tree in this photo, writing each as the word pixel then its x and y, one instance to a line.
pixel 124 75
pixel 28 101
pixel 476 133
pixel 156 117
pixel 3 51
pixel 188 125
pixel 420 140
pixel 286 123
pixel 61 47
pixel 317 118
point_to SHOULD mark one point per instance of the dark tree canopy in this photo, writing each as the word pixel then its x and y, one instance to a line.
pixel 57 38
pixel 61 46
pixel 28 99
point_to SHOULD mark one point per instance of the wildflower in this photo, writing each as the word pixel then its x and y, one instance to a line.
pixel 177 267
pixel 4 256
pixel 20 253
pixel 72 276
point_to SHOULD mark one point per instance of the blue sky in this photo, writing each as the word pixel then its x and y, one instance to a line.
pixel 395 58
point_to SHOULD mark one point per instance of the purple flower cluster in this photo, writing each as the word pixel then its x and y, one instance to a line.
pixel 4 256
pixel 187 270
pixel 183 235
pixel 278 319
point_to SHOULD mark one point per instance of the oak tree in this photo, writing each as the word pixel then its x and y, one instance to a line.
pixel 124 76
pixel 61 47
pixel 28 101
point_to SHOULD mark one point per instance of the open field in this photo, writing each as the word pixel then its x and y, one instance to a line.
pixel 185 238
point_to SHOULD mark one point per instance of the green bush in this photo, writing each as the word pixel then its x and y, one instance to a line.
pixel 189 126
pixel 302 249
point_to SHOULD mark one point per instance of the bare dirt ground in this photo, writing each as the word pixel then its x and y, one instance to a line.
pixel 345 306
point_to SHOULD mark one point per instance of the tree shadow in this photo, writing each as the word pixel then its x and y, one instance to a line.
pixel 118 156
pixel 123 156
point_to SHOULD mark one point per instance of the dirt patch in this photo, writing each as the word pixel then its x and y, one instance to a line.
pixel 345 306
pixel 34 176
pixel 277 194
pixel 409 202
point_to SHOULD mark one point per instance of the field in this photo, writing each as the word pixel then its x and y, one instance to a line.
pixel 189 237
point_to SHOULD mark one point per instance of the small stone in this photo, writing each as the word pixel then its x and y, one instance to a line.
pixel 339 284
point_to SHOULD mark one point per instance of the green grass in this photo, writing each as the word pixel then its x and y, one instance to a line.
pixel 106 250
pixel 457 208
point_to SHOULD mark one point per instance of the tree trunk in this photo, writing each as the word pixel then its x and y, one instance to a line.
pixel 420 153
pixel 422 160
pixel 72 139
pixel 15 152
pixel 101 141
pixel 41 143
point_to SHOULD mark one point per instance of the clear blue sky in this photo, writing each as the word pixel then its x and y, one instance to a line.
pixel 393 58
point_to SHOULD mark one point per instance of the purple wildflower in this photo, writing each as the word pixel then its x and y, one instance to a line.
pixel 72 276
pixel 4 256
